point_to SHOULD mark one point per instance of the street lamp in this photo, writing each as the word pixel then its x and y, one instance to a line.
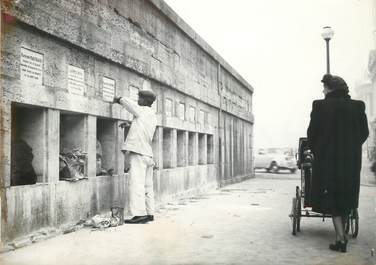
pixel 327 34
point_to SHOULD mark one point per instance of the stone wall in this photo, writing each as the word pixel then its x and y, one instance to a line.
pixel 59 58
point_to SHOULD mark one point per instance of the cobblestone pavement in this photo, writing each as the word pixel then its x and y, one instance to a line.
pixel 245 223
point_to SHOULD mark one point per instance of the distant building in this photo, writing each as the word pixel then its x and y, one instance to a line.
pixel 365 91
pixel 63 62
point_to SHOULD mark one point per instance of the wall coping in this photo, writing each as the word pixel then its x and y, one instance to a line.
pixel 165 9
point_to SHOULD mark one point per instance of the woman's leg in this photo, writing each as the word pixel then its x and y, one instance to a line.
pixel 339 227
pixel 344 221
pixel 341 241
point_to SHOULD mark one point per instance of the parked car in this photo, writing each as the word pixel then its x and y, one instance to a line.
pixel 274 160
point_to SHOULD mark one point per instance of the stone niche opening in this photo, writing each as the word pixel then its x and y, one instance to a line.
pixel 181 148
pixel 192 147
pixel 28 144
pixel 73 146
pixel 167 148
pixel 210 149
pixel 202 149
pixel 106 146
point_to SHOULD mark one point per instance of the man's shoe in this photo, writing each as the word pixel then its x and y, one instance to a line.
pixel 137 220
pixel 150 218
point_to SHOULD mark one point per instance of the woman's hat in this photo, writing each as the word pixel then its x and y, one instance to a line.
pixel 334 82
pixel 326 79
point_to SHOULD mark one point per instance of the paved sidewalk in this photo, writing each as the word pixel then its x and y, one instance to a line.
pixel 245 223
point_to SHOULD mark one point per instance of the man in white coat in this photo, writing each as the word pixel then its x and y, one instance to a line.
pixel 139 145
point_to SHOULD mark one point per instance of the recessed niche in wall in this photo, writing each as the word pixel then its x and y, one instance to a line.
pixel 73 145
pixel 106 146
pixel 167 148
pixel 192 147
pixel 181 148
pixel 210 149
pixel 28 144
pixel 202 148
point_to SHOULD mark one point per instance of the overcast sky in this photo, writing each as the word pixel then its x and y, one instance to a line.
pixel 277 47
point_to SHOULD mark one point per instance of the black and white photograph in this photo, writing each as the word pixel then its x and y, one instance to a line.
pixel 188 132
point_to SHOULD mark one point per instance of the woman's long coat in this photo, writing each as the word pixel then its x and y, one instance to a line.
pixel 336 132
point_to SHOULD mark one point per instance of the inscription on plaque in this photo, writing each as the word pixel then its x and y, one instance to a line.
pixel 76 80
pixel 201 117
pixel 133 93
pixel 182 111
pixel 31 66
pixel 169 106
pixel 192 114
pixel 108 89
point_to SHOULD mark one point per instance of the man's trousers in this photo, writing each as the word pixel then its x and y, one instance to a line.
pixel 141 193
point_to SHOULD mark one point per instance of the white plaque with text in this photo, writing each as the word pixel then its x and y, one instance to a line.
pixel 31 66
pixel 76 80
pixel 108 89
pixel 133 93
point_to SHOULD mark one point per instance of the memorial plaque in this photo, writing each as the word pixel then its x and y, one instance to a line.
pixel 169 106
pixel 133 93
pixel 192 114
pixel 31 66
pixel 182 111
pixel 201 117
pixel 76 80
pixel 108 89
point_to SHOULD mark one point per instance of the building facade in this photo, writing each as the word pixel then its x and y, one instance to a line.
pixel 62 64
pixel 366 91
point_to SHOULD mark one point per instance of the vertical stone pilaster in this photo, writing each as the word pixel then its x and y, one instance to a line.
pixel 52 153
pixel 158 147
pixel 186 142
pixel 231 141
pixel 91 145
pixel 205 147
pixel 246 154
pixel 195 149
pixel 5 134
pixel 174 135
pixel 53 145
pixel 158 159
pixel 119 157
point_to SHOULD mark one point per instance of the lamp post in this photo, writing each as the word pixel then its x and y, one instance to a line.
pixel 327 34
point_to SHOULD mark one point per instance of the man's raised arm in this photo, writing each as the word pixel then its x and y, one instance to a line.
pixel 129 105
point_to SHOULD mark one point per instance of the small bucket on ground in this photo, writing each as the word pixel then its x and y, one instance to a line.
pixel 118 212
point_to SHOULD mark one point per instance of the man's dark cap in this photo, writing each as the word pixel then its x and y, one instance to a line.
pixel 147 94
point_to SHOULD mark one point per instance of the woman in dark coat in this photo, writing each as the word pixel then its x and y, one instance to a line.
pixel 336 132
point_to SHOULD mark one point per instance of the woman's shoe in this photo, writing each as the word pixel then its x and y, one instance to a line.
pixel 339 246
